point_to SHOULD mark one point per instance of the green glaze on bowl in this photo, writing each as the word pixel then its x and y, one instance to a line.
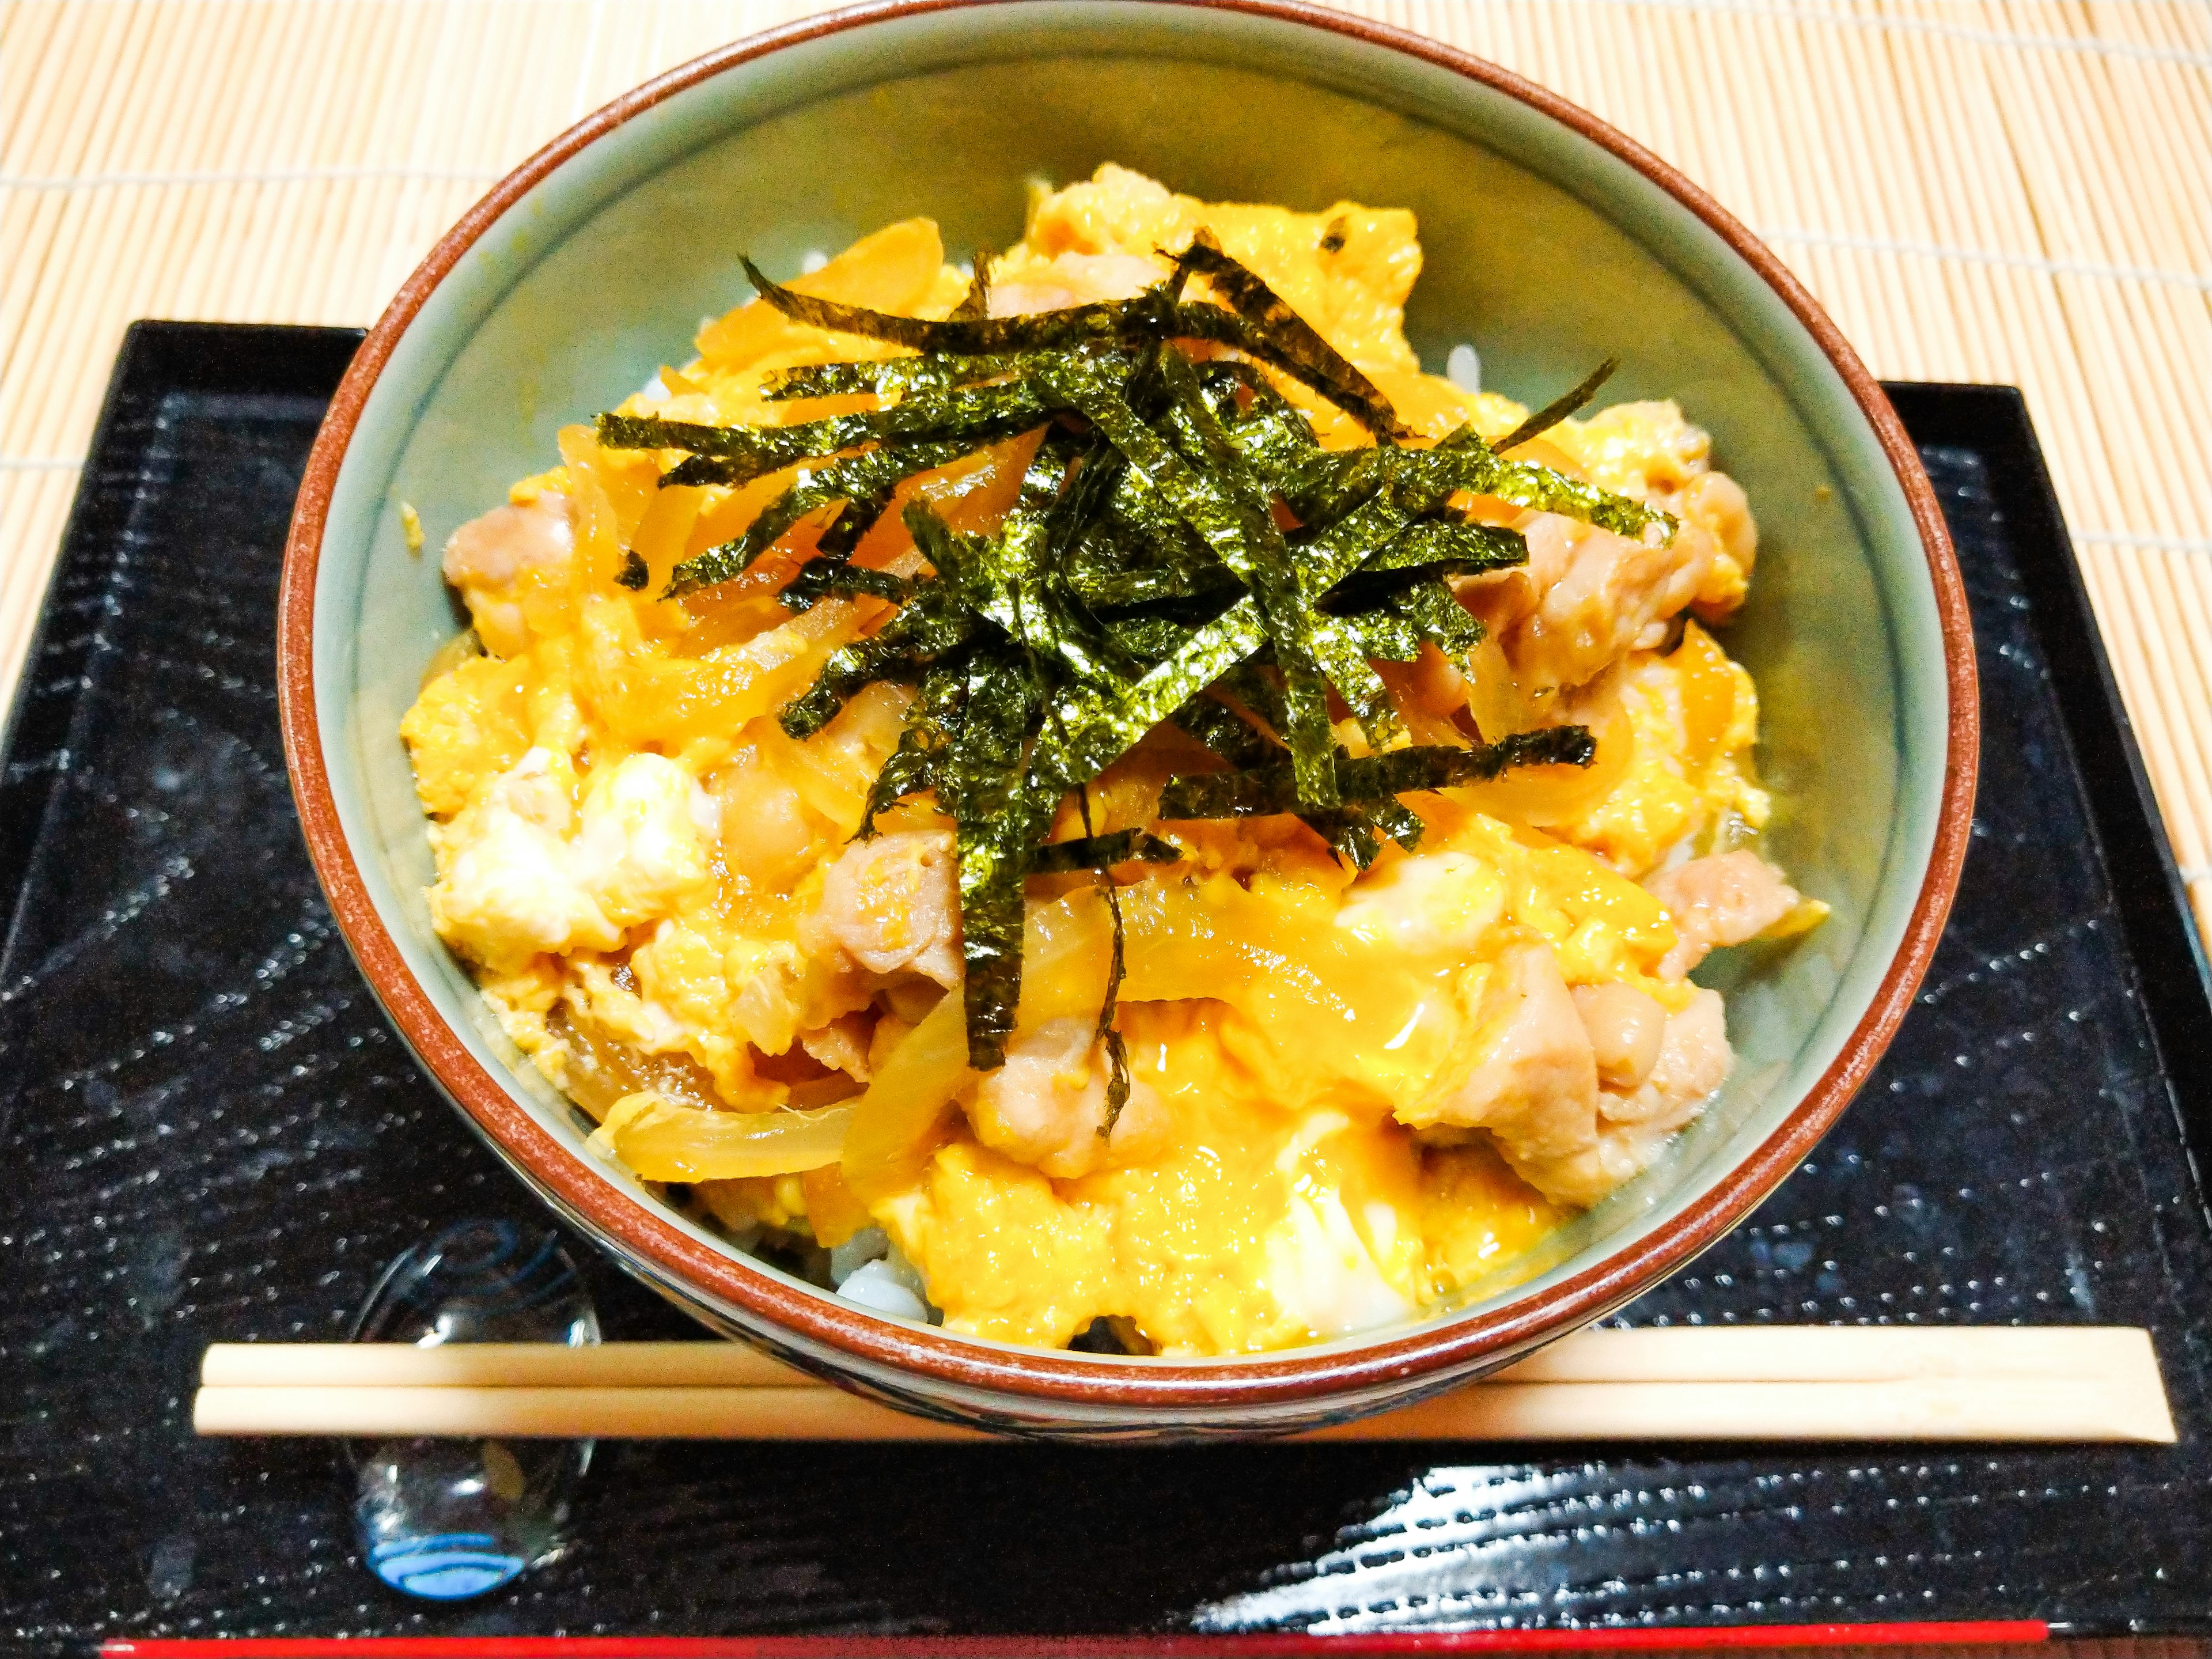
pixel 1549 244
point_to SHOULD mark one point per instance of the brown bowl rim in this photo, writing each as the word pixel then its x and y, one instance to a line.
pixel 1299 1376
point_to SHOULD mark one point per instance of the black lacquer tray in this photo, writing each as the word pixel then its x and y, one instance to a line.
pixel 209 1133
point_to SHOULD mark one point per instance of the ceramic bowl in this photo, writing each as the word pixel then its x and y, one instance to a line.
pixel 1550 241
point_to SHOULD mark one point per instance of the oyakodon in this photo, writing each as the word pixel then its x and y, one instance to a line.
pixel 1357 1056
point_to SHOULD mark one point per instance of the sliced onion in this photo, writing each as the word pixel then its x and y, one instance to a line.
pixel 659 1140
pixel 898 1123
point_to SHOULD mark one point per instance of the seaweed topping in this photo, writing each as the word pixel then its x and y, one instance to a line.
pixel 738 454
pixel 1230 514
pixel 1374 778
pixel 1234 739
pixel 821 578
pixel 1099 852
pixel 977 302
pixel 1117 1051
pixel 863 484
pixel 1256 321
pixel 1001 821
pixel 1181 550
pixel 889 377
pixel 1438 547
pixel 1291 335
pixel 931 719
pixel 1567 402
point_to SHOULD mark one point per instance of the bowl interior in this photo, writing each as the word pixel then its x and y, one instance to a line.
pixel 1544 251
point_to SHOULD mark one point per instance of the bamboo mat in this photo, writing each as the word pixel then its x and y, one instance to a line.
pixel 2015 191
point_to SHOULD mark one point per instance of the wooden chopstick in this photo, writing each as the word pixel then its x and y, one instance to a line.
pixel 704 1365
pixel 1978 1383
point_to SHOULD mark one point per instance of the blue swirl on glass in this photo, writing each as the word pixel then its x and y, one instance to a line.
pixel 448 1567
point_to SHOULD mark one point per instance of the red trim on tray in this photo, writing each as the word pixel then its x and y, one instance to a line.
pixel 1042 1386
pixel 1972 1633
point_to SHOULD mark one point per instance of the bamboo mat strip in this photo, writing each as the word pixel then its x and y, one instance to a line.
pixel 2014 191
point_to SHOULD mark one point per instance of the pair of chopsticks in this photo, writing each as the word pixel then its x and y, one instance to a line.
pixel 1789 1383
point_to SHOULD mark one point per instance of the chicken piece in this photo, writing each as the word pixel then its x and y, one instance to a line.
pixel 1046 1107
pixel 1072 279
pixel 781 992
pixel 1626 1029
pixel 1345 269
pixel 766 837
pixel 493 559
pixel 1503 599
pixel 1694 1060
pixel 1586 597
pixel 1534 1086
pixel 1723 900
pixel 892 906
pixel 843 1045
pixel 1714 503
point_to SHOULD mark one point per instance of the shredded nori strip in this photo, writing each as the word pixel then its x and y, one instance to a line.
pixel 1426 611
pixel 1219 727
pixel 1396 820
pixel 977 302
pixel 1349 832
pixel 930 626
pixel 863 483
pixel 1441 548
pixel 1000 820
pixel 1143 575
pixel 1117 1051
pixel 1153 315
pixel 1340 652
pixel 1524 484
pixel 1097 726
pixel 736 455
pixel 1324 486
pixel 1098 851
pixel 633 574
pixel 960 337
pixel 819 579
pixel 1260 304
pixel 886 377
pixel 1234 517
pixel 1104 1034
pixel 1272 789
pixel 931 720
pixel 1558 409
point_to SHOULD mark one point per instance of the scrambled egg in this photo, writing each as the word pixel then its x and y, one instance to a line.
pixel 1352 1098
